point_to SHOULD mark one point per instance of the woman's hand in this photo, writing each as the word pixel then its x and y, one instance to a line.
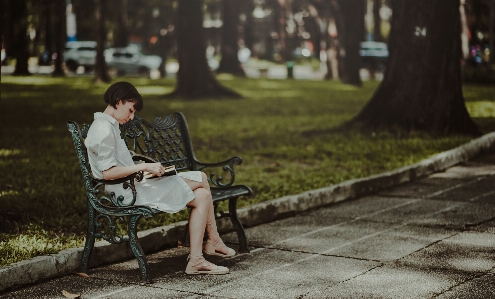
pixel 155 168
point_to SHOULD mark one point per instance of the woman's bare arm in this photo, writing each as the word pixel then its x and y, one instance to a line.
pixel 117 172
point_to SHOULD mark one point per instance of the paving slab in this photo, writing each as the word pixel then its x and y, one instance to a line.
pixel 480 190
pixel 466 252
pixel 278 231
pixel 423 187
pixel 391 243
pixel 394 282
pixel 482 287
pixel 293 278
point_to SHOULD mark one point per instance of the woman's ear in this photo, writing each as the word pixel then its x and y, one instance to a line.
pixel 118 103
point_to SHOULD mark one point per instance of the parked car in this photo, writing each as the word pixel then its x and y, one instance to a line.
pixel 131 61
pixel 80 53
pixel 374 54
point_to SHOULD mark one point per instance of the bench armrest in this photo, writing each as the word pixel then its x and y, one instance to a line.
pixel 146 159
pixel 227 166
pixel 127 181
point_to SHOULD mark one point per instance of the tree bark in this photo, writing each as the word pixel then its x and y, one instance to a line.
pixel 47 25
pixel 5 26
pixel 282 13
pixel 101 69
pixel 422 88
pixel 492 31
pixel 333 34
pixel 122 36
pixel 353 11
pixel 60 37
pixel 194 78
pixel 248 27
pixel 18 13
pixel 377 21
pixel 230 37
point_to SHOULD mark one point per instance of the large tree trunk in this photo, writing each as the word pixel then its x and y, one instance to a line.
pixel 5 27
pixel 353 11
pixel 492 31
pixel 422 86
pixel 230 37
pixel 101 69
pixel 194 78
pixel 46 14
pixel 377 21
pixel 122 37
pixel 248 27
pixel 333 34
pixel 60 37
pixel 18 13
pixel 281 10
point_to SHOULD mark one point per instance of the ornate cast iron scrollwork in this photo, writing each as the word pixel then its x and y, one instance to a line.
pixel 109 232
pixel 128 182
pixel 161 140
pixel 227 166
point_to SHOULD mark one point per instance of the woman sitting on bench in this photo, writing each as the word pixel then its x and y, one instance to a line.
pixel 110 159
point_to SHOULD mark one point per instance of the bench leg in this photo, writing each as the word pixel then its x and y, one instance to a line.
pixel 90 240
pixel 137 250
pixel 241 235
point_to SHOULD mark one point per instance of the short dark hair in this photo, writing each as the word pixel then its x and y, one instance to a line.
pixel 125 92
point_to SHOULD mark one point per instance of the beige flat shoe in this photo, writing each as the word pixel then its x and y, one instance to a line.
pixel 211 248
pixel 202 266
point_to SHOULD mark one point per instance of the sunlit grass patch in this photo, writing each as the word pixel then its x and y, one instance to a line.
pixel 9 152
pixel 8 192
pixel 36 241
pixel 154 90
pixel 32 80
pixel 481 108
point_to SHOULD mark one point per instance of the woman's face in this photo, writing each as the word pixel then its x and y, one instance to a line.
pixel 124 112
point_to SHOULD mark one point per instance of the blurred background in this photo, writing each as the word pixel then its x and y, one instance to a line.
pixel 254 38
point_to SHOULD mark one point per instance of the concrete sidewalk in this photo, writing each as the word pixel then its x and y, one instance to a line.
pixel 432 238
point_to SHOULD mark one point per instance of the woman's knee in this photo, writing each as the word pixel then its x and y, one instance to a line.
pixel 202 194
pixel 204 179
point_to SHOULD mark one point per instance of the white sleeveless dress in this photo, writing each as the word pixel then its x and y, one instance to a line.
pixel 106 149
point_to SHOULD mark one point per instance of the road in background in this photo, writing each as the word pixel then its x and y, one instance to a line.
pixel 304 72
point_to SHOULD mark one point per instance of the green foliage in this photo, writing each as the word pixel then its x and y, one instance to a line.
pixel 285 131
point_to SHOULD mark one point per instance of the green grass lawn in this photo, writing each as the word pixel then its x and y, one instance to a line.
pixel 282 129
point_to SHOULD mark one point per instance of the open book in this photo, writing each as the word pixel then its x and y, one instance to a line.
pixel 169 170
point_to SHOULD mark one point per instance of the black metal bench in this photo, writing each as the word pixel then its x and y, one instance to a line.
pixel 167 141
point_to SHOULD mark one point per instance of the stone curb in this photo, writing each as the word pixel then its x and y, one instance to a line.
pixel 67 261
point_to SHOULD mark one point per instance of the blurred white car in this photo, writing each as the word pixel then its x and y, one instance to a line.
pixel 80 53
pixel 131 61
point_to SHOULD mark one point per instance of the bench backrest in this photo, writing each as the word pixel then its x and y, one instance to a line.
pixel 167 141
pixel 78 137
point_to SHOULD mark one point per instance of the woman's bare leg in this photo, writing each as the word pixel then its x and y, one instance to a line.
pixel 202 211
pixel 207 211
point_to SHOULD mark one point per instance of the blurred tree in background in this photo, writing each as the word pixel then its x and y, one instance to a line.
pixel 194 78
pixel 230 38
pixel 422 88
pixel 353 15
pixel 16 38
pixel 325 34
pixel 101 69
pixel 60 34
